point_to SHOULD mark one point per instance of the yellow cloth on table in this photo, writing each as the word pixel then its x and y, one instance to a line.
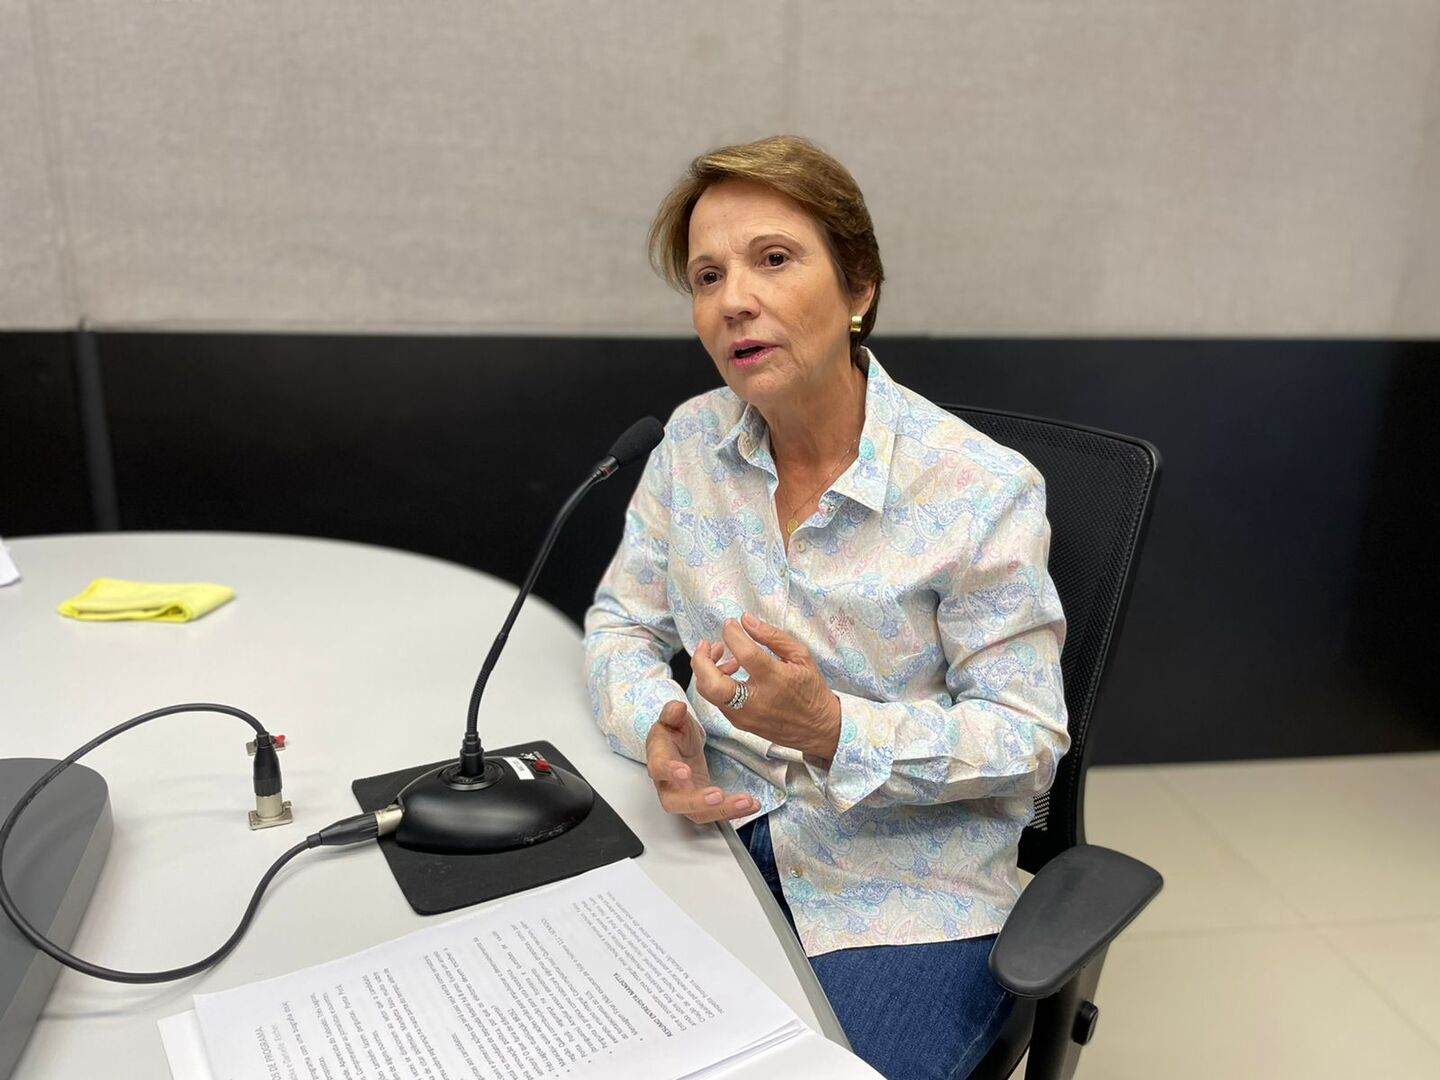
pixel 109 599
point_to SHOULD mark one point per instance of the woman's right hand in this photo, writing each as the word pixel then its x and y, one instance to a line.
pixel 675 758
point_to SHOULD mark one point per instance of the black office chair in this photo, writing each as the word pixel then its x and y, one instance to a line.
pixel 1099 489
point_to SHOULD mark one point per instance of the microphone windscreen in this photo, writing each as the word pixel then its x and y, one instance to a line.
pixel 638 440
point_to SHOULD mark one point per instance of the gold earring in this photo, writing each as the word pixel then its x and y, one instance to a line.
pixel 856 322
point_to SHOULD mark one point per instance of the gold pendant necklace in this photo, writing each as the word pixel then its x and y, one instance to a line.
pixel 791 524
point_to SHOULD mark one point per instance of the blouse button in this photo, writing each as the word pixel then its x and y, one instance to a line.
pixel 801 545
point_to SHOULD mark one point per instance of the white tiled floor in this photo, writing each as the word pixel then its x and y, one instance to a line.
pixel 1298 933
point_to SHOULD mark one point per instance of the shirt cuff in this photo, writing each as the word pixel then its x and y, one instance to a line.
pixel 643 702
pixel 863 755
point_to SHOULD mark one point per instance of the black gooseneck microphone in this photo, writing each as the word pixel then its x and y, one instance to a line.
pixel 480 804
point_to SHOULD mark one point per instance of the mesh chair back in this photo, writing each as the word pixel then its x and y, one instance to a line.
pixel 1099 488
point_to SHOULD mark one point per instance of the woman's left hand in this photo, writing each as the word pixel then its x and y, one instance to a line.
pixel 789 703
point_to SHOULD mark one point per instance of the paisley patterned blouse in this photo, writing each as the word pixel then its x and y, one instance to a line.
pixel 920 587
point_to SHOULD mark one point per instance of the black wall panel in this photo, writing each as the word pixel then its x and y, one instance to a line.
pixel 43 486
pixel 1262 622
pixel 459 448
pixel 1282 601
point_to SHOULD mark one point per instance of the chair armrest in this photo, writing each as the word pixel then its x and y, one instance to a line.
pixel 1071 911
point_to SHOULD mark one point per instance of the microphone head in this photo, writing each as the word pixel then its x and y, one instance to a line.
pixel 638 440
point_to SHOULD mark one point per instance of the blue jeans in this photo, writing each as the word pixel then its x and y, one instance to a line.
pixel 914 1012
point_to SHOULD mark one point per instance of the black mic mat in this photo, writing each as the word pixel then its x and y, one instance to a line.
pixel 434 884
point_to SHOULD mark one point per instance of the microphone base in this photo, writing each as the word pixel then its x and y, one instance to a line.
pixel 501 810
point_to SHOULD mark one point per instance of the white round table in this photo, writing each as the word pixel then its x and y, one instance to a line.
pixel 363 658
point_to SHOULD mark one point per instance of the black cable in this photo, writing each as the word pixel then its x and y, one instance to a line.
pixel 348 831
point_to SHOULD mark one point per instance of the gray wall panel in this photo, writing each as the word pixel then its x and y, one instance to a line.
pixel 372 166
pixel 1131 167
pixel 1103 168
pixel 32 290
pixel 1418 312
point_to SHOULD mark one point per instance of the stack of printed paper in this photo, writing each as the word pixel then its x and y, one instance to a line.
pixel 599 976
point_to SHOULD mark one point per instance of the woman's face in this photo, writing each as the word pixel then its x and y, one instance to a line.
pixel 769 304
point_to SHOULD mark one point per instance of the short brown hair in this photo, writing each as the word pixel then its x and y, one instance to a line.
pixel 797 168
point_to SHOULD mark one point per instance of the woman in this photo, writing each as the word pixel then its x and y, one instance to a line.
pixel 860 580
